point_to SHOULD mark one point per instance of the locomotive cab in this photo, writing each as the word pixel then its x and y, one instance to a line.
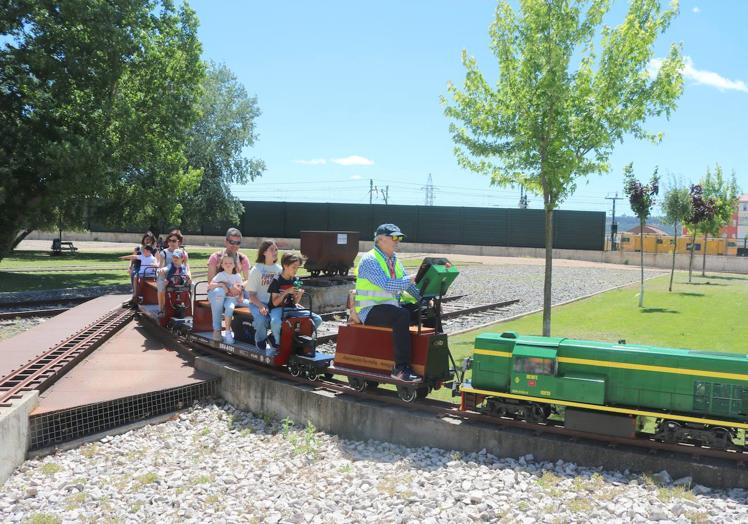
pixel 365 353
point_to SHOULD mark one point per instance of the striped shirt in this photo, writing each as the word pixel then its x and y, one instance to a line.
pixel 370 269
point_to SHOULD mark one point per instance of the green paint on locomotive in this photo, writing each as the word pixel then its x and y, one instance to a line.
pixel 646 377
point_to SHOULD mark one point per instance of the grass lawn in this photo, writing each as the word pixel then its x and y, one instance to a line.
pixel 706 314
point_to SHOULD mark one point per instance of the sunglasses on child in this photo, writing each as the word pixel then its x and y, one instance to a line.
pixel 173 240
pixel 234 242
pixel 397 238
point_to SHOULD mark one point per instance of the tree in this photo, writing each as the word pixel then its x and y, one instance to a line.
pixel 641 200
pixel 702 211
pixel 94 95
pixel 724 194
pixel 558 108
pixel 215 144
pixel 677 207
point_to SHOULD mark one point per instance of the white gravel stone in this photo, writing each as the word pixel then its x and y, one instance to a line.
pixel 214 471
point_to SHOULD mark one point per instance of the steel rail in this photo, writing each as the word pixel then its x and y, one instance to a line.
pixel 45 369
pixel 26 313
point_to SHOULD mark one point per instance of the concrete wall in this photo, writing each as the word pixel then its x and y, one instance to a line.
pixel 14 433
pixel 357 419
pixel 714 263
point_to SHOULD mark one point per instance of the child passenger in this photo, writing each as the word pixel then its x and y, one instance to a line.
pixel 173 240
pixel 285 298
pixel 231 281
pixel 146 264
pixel 260 277
pixel 176 273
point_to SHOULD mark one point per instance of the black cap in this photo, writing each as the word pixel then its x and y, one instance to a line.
pixel 389 230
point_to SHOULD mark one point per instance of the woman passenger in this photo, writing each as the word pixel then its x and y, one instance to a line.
pixel 260 277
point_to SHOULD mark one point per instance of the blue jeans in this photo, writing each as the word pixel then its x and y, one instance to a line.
pixel 259 322
pixel 276 319
pixel 220 304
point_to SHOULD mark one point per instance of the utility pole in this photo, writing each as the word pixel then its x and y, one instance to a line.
pixel 371 190
pixel 386 194
pixel 613 225
pixel 429 188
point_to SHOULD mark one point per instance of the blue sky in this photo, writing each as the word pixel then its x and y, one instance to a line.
pixel 349 91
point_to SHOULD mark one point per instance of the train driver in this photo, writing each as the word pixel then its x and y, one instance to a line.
pixel 381 288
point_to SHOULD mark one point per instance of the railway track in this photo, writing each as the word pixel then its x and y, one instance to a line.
pixel 45 369
pixel 443 409
pixel 452 316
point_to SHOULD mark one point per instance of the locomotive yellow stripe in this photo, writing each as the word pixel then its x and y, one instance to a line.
pixel 657 369
pixel 505 354
pixel 610 409
pixel 624 365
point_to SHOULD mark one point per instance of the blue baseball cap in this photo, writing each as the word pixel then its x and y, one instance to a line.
pixel 389 230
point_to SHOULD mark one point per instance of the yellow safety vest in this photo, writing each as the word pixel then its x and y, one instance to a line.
pixel 369 294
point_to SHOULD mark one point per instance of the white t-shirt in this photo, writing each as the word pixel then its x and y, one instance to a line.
pixel 227 278
pixel 146 261
pixel 260 278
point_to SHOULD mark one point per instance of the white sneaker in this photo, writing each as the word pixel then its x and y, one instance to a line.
pixel 228 338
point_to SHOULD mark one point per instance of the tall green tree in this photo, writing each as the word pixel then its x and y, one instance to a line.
pixel 94 98
pixel 227 126
pixel 676 205
pixel 724 193
pixel 642 201
pixel 559 107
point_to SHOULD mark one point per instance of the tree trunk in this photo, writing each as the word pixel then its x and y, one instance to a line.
pixel 9 239
pixel 690 260
pixel 547 285
pixel 641 262
pixel 675 248
pixel 703 260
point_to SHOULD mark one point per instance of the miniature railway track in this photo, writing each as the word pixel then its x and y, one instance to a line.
pixel 26 313
pixel 484 312
pixel 42 372
pixel 444 409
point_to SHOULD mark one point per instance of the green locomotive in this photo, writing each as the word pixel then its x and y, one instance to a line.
pixel 672 395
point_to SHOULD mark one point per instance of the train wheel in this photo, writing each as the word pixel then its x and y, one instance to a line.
pixel 294 369
pixel 537 413
pixel 407 394
pixel 370 384
pixel 312 375
pixel 357 383
pixel 328 376
pixel 720 438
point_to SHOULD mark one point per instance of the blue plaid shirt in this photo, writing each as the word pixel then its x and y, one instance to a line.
pixel 370 269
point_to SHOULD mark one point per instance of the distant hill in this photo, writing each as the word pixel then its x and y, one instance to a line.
pixel 627 222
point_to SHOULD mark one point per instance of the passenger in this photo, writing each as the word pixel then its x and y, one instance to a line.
pixel 174 241
pixel 132 269
pixel 231 283
pixel 262 274
pixel 146 264
pixel 285 297
pixel 216 295
pixel 380 284
pixel 176 273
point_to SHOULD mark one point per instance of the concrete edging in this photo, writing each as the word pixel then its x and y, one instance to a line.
pixel 356 419
pixel 14 433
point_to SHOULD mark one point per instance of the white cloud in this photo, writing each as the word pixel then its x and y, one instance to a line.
pixel 356 177
pixel 696 10
pixel 353 160
pixel 702 76
pixel 312 162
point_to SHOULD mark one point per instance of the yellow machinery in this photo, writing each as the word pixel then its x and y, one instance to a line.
pixel 664 244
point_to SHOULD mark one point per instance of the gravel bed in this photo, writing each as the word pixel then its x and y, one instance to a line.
pixel 213 463
pixel 12 327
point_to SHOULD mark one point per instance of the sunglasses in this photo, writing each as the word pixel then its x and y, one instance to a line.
pixel 397 238
pixel 234 242
pixel 173 240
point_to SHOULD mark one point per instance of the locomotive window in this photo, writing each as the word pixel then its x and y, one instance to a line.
pixel 535 365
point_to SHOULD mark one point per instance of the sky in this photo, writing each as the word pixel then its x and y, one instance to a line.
pixel 350 92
